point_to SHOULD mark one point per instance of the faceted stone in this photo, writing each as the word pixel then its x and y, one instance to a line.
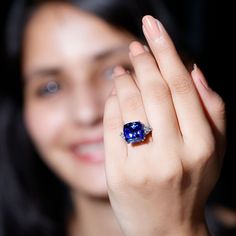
pixel 134 132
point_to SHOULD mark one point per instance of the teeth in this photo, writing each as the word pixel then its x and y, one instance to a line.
pixel 89 148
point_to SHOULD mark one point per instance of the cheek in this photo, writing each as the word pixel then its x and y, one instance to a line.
pixel 43 123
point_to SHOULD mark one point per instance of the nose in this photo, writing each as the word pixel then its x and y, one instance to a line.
pixel 86 108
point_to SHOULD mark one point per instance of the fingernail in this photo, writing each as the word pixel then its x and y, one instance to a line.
pixel 118 71
pixel 146 48
pixel 151 27
pixel 136 48
pixel 195 67
pixel 200 76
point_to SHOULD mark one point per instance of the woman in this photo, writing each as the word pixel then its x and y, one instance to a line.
pixel 71 56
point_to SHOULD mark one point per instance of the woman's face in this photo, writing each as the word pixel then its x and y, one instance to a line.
pixel 68 56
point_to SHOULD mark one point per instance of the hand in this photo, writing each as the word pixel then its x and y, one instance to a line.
pixel 160 186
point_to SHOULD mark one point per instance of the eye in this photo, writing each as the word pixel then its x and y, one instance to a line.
pixel 107 73
pixel 50 88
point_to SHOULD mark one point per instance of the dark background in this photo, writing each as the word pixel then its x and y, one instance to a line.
pixel 209 28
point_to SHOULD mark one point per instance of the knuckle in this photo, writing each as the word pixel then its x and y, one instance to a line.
pixel 137 178
pixel 170 174
pixel 133 102
pixel 163 46
pixel 145 60
pixel 181 84
pixel 204 152
pixel 142 182
pixel 158 93
pixel 112 122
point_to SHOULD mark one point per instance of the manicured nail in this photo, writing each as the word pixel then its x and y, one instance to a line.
pixel 146 48
pixel 118 71
pixel 151 27
pixel 136 48
pixel 200 76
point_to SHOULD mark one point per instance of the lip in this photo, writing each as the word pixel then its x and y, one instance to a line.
pixel 89 157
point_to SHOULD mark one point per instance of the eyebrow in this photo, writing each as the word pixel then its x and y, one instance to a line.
pixel 45 71
pixel 110 52
pixel 56 70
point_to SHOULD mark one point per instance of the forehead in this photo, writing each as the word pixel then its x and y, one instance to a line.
pixel 60 31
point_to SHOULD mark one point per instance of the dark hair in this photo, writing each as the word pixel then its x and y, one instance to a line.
pixel 32 200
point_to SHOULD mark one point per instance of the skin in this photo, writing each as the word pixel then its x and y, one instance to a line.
pixel 155 188
pixel 76 51
pixel 60 52
pixel 67 47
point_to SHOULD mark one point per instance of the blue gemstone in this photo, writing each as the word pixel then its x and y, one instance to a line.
pixel 134 132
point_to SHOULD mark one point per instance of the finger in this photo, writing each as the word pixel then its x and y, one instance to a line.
pixel 187 104
pixel 212 102
pixel 130 102
pixel 115 147
pixel 155 94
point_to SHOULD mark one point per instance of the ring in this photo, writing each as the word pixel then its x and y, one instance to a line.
pixel 134 132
